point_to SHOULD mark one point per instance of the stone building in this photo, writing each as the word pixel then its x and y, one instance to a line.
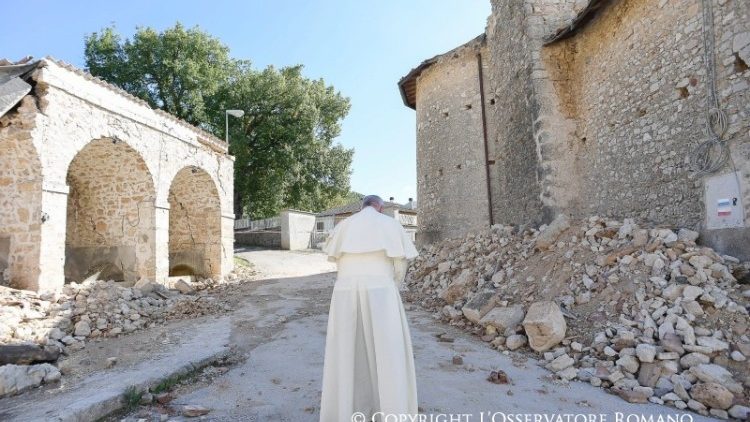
pixel 589 107
pixel 326 220
pixel 94 182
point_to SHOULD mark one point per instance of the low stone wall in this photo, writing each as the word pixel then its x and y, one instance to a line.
pixel 266 239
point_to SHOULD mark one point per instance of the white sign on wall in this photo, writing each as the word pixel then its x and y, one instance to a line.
pixel 723 202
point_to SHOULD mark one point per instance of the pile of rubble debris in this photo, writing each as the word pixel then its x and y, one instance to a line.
pixel 35 329
pixel 647 313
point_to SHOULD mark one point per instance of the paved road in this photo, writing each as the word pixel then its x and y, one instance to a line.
pixel 280 330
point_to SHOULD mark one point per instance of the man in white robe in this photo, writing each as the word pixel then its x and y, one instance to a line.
pixel 369 366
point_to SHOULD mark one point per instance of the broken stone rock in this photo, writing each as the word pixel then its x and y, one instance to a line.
pixel 549 235
pixel 693 359
pixel 737 356
pixel 712 373
pixel 561 362
pixel 649 373
pixel 516 341
pixel 479 305
pixel 82 329
pixel 503 317
pixel 645 352
pixel 545 325
pixel 686 235
pixel 696 405
pixel 568 373
pixel 633 396
pixel 15 379
pixel 628 364
pixel 192 410
pixel 712 395
pixel 739 412
pixel 458 287
pixel 183 286
pixel 714 344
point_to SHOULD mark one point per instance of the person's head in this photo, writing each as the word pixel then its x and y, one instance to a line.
pixel 373 201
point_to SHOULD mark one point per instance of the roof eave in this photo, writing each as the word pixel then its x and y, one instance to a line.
pixel 411 77
pixel 586 15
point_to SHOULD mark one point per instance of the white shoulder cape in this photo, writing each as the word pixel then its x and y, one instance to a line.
pixel 370 231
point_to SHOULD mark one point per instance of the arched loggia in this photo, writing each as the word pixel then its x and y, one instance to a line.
pixel 194 224
pixel 110 215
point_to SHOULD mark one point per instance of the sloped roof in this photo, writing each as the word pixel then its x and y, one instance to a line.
pixel 13 87
pixel 584 16
pixel 6 69
pixel 408 84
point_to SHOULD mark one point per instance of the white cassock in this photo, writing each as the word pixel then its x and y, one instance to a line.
pixel 369 366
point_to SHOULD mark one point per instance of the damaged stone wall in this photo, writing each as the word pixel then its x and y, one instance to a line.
pixel 110 214
pixel 451 179
pixel 113 159
pixel 194 225
pixel 628 95
pixel 633 124
pixel 20 198
pixel 510 110
pixel 595 107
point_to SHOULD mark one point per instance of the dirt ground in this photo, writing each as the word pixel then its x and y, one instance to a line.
pixel 278 337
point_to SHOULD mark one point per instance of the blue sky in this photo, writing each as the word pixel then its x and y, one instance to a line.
pixel 362 48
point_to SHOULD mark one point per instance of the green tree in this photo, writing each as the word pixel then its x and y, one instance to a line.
pixel 176 70
pixel 284 143
pixel 284 149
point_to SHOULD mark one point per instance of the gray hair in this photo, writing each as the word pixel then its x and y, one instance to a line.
pixel 371 200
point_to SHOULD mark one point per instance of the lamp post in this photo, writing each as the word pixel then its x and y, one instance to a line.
pixel 235 113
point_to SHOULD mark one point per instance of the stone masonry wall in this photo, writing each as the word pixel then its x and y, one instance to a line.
pixel 510 110
pixel 451 181
pixel 626 98
pixel 110 214
pixel 194 225
pixel 68 112
pixel 638 95
pixel 601 122
pixel 20 198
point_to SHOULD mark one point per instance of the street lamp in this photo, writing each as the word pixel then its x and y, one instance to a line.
pixel 234 113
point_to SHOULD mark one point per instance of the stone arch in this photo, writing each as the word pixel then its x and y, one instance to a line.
pixel 20 213
pixel 194 224
pixel 110 231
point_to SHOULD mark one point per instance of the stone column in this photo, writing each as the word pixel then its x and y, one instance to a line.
pixel 227 244
pixel 52 242
pixel 161 241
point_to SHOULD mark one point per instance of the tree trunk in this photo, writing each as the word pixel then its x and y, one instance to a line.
pixel 237 204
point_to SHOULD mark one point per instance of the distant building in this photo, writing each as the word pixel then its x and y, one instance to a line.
pixel 325 221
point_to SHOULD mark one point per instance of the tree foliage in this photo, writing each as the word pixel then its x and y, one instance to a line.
pixel 284 145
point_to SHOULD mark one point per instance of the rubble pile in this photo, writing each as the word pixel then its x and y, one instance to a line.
pixel 62 322
pixel 645 312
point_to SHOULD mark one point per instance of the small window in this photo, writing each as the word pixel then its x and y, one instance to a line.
pixel 320 226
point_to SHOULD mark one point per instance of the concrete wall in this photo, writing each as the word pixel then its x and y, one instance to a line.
pixel 297 228
pixel 67 112
pixel 451 182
